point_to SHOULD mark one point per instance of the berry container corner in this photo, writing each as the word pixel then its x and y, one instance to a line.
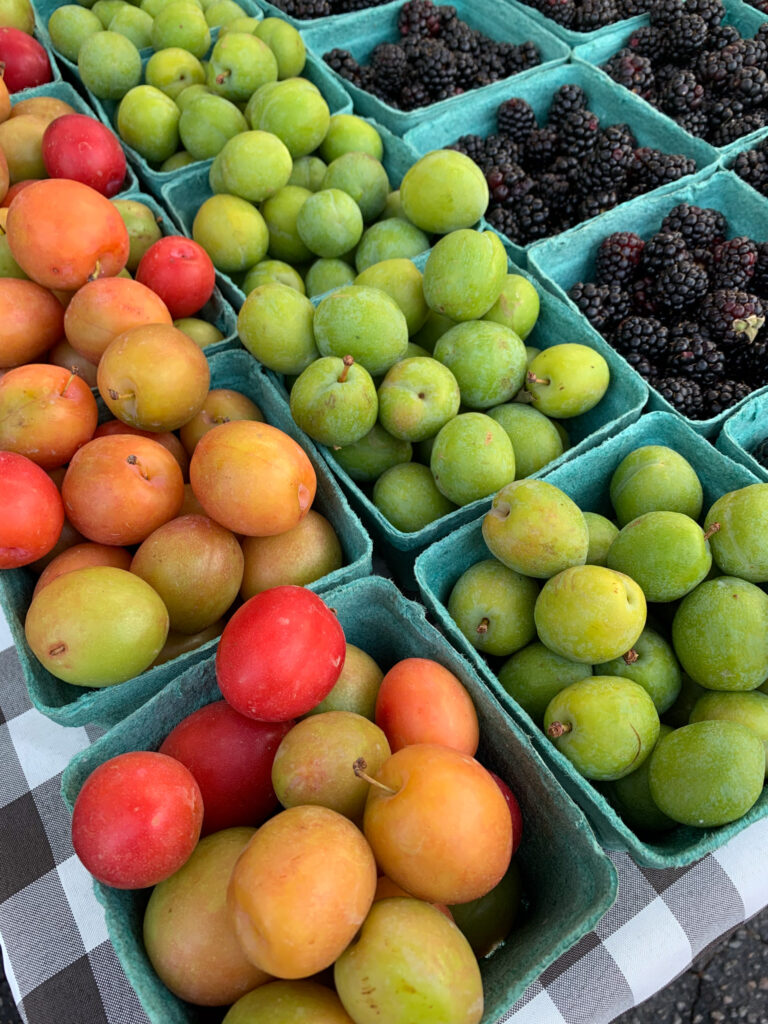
pixel 744 431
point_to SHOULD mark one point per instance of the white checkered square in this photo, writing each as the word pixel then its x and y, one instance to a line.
pixel 539 1010
pixel 44 749
pixel 86 909
pixel 743 859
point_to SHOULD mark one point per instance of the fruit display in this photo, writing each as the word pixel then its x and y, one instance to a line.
pixel 23 53
pixel 696 67
pixel 381 827
pixel 684 307
pixel 308 10
pixel 437 55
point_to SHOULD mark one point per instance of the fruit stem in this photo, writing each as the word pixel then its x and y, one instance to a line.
pixel 631 656
pixel 533 379
pixel 72 375
pixel 558 729
pixel 133 460
pixel 712 529
pixel 348 361
pixel 95 274
pixel 483 627
pixel 222 77
pixel 117 397
pixel 359 769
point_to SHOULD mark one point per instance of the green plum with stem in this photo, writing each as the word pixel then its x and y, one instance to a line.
pixel 493 607
pixel 417 397
pixel 652 663
pixel 334 401
pixel 567 380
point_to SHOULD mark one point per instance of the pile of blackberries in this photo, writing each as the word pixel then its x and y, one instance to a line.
pixel 437 55
pixel 686 308
pixel 586 15
pixel 306 10
pixel 752 166
pixel 697 70
pixel 545 179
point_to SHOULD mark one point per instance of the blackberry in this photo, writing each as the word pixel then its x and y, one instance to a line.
pixel 434 66
pixel 505 221
pixel 466 70
pixel 632 71
pixel 561 11
pixel 499 149
pixel 685 330
pixel 749 362
pixel 699 226
pixel 567 98
pixel 344 64
pixel 643 297
pixel 681 92
pixel 579 132
pixel 642 364
pixel 695 122
pixel 722 396
pixel 662 12
pixel 418 18
pixel 732 315
pixel 515 118
pixel 598 303
pixel 414 95
pixel 541 147
pixel 629 8
pixel 646 336
pixel 593 204
pixel 472 146
pixel 591 14
pixel 609 162
pixel 754 52
pixel 532 213
pixel 697 357
pixel 738 127
pixel 682 393
pixel 714 67
pixel 390 63
pixel 554 186
pixel 751 165
pixel 661 251
pixel 509 183
pixel 750 85
pixel 685 36
pixel 734 262
pixel 721 36
pixel 712 11
pixel 645 41
pixel 569 167
pixel 306 9
pixel 617 258
pixel 681 285
pixel 652 168
pixel 759 283
pixel 521 56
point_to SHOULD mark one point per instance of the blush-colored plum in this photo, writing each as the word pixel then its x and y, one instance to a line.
pixel 33 514
pixel 106 307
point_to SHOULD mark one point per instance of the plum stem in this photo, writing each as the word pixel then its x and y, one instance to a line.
pixel 712 529
pixel 631 656
pixel 117 397
pixel 533 379
pixel 348 361
pixel 95 274
pixel 222 77
pixel 359 769
pixel 133 460
pixel 72 374
pixel 483 627
pixel 558 729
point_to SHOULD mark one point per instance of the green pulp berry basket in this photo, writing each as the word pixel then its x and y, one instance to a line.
pixel 569 882
pixel 76 705
pixel 744 431
pixel 586 481
pixel 571 36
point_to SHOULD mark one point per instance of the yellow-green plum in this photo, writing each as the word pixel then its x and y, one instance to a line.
pixel 173 70
pixel 444 191
pixel 517 306
pixel 272 271
pixel 590 613
pixel 325 275
pixel 294 110
pixel 207 123
pixel 534 437
pixel 280 214
pixel 667 553
pixel 329 223
pixel 363 178
pixel 471 458
pixel 241 24
pixel 738 542
pixel 401 279
pixel 187 931
pixel 407 496
pixel 349 133
pixel 190 93
pixel 286 44
pixel 308 172
pixel 224 12
pixel 493 607
pixel 602 533
pixel 488 920
pixel 356 688
pixel 434 327
pixel 605 725
pixel 134 24
pixel 239 64
pixel 142 225
pixel 417 397
pixel 535 529
pixel 567 380
pixel 653 478
pixel 750 709
pixel 334 401
pixel 275 325
pixel 232 232
pixel 200 331
pixel 720 634
pixel 464 274
pixel 387 240
pixel 288 1002
pixel 297 557
pixel 487 360
pixel 707 773
pixel 177 160
pixel 653 665
pixel 69 26
pixel 631 796
pixel 253 165
pixel 181 24
pixel 534 675
pixel 109 65
pixel 366 459
pixel 364 323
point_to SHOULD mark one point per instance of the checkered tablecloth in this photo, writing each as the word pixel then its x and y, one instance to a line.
pixel 62 969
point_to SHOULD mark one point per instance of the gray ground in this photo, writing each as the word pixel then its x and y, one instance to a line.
pixel 729 983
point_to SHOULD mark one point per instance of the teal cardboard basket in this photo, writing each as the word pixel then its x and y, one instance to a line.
pixel 621 405
pixel 586 481
pixel 187 192
pixel 360 37
pixel 571 36
pixel 337 21
pixel 569 882
pixel 609 101
pixel 744 431
pixel 570 257
pixel 743 17
pixel 75 705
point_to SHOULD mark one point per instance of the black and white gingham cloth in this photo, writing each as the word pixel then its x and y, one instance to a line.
pixel 62 969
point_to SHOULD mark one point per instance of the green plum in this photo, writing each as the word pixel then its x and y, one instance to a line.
pixel 366 459
pixel 534 675
pixel 388 240
pixel 207 123
pixel 181 24
pixel 487 921
pixel 286 44
pixel 200 331
pixel 417 397
pixel 69 26
pixel 605 725
pixel 280 214
pixel 739 520
pixel 177 160
pixel 239 64
pixel 393 207
pixel 750 709
pixel 487 359
pixel 493 607
pixel 517 306
pixel 406 495
pixel 444 191
pixel 590 613
pixel 143 228
pixel 363 178
pixel 402 280
pixel 275 325
pixel 472 457
pixel 174 70
pixel 330 223
pixel 364 323
pixel 349 133
pixel 720 634
pixel 654 478
pixel 536 529
pixel 253 165
pixel 190 92
pixel 356 688
pixel 533 436
pixel 308 172
pixel 631 796
pixel 293 110
pixel 232 232
pixel 246 24
pixel 325 275
pixel 334 401
pixel 134 24
pixel 653 665
pixel 286 1002
pixel 148 120
pixel 223 12
pixel 602 533
pixel 708 773
pixel 567 380
pixel 109 65
pixel 434 327
pixel 105 10
pixel 267 271
pixel 464 274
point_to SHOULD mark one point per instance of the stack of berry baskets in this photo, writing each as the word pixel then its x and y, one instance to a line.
pixel 581 21
pixel 703 63
pixel 678 284
pixel 554 153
